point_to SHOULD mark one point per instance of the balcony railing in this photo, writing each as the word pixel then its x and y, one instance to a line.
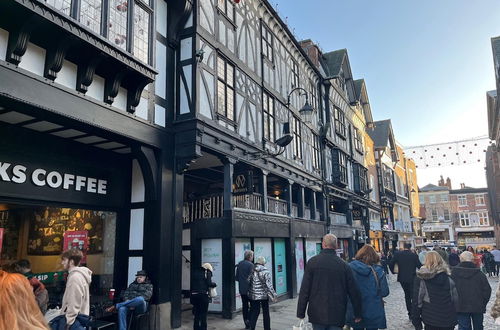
pixel 248 201
pixel 338 218
pixel 277 206
pixel 205 208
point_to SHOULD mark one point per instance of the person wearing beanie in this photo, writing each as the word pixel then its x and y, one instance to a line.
pixel 201 282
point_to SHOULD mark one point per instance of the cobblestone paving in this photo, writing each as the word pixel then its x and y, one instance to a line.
pixel 283 313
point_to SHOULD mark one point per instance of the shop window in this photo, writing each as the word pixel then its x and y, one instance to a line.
pixel 225 88
pixel 40 234
pixel 480 200
pixel 267 43
pixel 464 219
pixel 462 200
pixel 269 117
pixel 339 122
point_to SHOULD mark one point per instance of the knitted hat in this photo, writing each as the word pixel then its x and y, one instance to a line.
pixel 208 266
pixel 260 260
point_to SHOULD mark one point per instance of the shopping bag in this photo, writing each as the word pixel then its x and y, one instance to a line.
pixel 302 325
pixel 212 292
pixel 51 314
pixel 497 321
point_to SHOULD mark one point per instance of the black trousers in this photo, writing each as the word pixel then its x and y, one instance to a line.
pixel 408 289
pixel 430 327
pixel 245 308
pixel 200 310
pixel 255 311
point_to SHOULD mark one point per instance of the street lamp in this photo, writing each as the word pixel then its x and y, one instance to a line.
pixel 307 111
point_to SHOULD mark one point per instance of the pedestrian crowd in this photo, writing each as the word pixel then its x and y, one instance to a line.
pixel 24 299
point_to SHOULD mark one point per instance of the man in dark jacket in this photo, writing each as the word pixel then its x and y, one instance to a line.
pixel 136 297
pixel 473 292
pixel 408 263
pixel 328 282
pixel 243 271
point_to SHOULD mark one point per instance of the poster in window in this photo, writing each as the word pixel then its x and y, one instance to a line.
pixel 211 252
pixel 240 246
pixel 77 240
pixel 299 260
pixel 311 248
pixel 280 265
pixel 263 247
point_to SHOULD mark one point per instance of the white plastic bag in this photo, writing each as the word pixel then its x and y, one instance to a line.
pixel 212 292
pixel 52 313
pixel 302 325
pixel 497 321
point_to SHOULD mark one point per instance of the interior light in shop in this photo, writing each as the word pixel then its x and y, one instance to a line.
pixel 4 207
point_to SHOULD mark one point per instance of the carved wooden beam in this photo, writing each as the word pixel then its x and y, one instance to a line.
pixel 18 40
pixel 112 86
pixel 179 11
pixel 55 57
pixel 134 93
pixel 85 74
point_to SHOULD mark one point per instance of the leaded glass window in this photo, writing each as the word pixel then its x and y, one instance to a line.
pixel 91 14
pixel 225 88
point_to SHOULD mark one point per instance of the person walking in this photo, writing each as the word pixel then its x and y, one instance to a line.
pixel 243 271
pixel 474 292
pixel 136 296
pixel 408 263
pixel 496 254
pixel 260 290
pixel 421 255
pixel 23 266
pixel 489 263
pixel 441 252
pixel 372 283
pixel 385 263
pixel 327 285
pixel 453 258
pixel 200 284
pixel 18 307
pixel 435 298
pixel 75 307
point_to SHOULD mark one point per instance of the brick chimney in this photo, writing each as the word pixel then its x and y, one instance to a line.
pixel 311 50
pixel 441 182
pixel 448 183
pixel 462 186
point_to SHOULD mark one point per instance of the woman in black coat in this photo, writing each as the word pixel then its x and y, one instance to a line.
pixel 435 298
pixel 201 283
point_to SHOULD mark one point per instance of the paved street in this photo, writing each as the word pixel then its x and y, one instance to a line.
pixel 283 313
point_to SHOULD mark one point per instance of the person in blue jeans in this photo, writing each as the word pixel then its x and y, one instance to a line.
pixel 136 297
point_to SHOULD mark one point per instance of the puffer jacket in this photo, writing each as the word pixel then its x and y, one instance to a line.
pixel 135 289
pixel 435 304
pixel 261 284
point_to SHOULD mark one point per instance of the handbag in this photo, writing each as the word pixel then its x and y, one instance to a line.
pixel 302 325
pixel 212 292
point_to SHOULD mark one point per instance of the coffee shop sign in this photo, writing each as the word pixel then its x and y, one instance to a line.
pixel 41 177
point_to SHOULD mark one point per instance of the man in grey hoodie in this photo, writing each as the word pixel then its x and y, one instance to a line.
pixel 76 299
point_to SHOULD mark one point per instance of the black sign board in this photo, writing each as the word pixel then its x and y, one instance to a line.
pixel 243 183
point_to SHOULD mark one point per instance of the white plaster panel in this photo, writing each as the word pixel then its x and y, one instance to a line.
pixel 67 75
pixel 186 48
pixel 160 113
pixel 34 59
pixel 138 190
pixel 96 89
pixel 161 17
pixel 4 39
pixel 161 66
pixel 186 236
pixel 136 238
pixel 120 101
pixel 134 265
pixel 142 109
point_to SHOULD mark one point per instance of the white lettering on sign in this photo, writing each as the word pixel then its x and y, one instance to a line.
pixel 53 179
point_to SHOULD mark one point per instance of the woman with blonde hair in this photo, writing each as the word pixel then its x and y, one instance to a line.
pixel 19 310
pixel 435 298
pixel 372 283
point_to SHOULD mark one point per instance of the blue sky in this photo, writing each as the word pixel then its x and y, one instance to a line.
pixel 427 64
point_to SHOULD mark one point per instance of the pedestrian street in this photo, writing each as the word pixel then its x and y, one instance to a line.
pixel 283 313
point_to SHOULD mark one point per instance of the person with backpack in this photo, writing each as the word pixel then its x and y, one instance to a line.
pixel 201 283
pixel 372 283
pixel 259 292
pixel 23 266
pixel 474 292
pixel 435 298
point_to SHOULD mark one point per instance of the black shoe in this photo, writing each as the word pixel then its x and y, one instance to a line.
pixel 247 324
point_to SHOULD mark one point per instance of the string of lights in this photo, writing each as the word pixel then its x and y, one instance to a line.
pixel 456 153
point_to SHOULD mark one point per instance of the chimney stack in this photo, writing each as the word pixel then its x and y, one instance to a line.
pixel 462 186
pixel 448 183
pixel 311 50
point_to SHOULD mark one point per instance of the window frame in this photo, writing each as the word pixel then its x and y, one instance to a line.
pixel 316 154
pixel 483 217
pixel 224 116
pixel 480 196
pixel 432 199
pixel 340 166
pixel 297 138
pixel 295 74
pixel 464 217
pixel 267 44
pixel 462 198
pixel 269 116
pixel 340 126
pixel 224 11
pixel 444 198
pixel 434 214
pixel 358 140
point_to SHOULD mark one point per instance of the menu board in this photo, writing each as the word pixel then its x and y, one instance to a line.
pixel 211 252
pixel 299 261
pixel 240 246
pixel 48 225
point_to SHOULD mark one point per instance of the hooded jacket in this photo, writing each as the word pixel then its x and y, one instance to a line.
pixel 473 288
pixel 76 299
pixel 372 291
pixel 437 298
pixel 261 284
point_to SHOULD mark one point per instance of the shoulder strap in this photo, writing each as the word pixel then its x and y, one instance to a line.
pixel 376 280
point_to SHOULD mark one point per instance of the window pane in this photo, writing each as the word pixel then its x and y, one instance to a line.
pixel 230 104
pixel 221 98
pixel 118 22
pixel 141 34
pixel 61 5
pixel 230 74
pixel 221 67
pixel 90 14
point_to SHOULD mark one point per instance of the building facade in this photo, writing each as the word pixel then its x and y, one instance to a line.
pixel 437 212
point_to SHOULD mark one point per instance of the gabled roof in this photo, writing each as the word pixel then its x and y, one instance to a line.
pixel 362 97
pixel 334 61
pixel 495 45
pixel 433 187
pixel 380 133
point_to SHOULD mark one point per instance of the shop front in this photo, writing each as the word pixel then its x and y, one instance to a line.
pixel 376 240
pixel 476 239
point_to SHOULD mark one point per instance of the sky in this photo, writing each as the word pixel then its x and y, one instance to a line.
pixel 427 64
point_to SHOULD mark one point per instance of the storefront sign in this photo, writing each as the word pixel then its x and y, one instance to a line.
pixel 51 277
pixel 211 252
pixel 357 215
pixel 77 240
pixel 375 234
pixel 1 240
pixel 243 183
